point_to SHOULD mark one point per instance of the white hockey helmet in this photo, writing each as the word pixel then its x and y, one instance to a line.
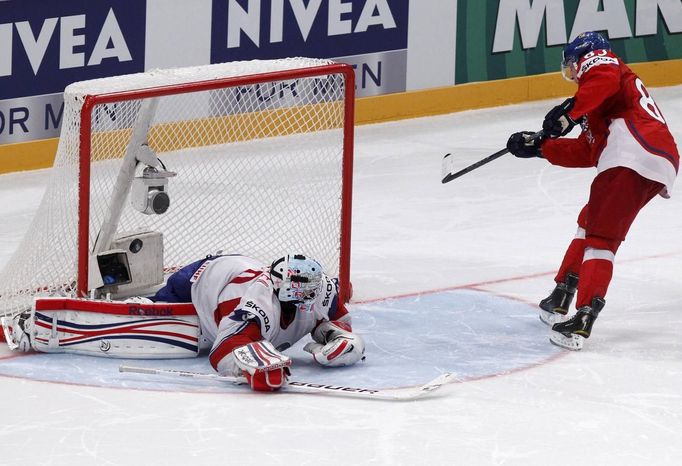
pixel 296 278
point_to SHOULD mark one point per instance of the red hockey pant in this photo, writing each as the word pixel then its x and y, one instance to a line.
pixel 616 197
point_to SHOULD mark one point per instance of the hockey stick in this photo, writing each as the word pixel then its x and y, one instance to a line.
pixel 447 170
pixel 297 386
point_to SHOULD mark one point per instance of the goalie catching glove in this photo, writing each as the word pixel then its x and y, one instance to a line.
pixel 335 346
pixel 265 368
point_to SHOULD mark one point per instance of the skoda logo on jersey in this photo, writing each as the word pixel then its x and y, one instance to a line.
pixel 591 62
pixel 328 293
pixel 261 312
pixel 104 346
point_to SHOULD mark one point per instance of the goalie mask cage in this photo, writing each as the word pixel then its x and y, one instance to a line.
pixel 263 156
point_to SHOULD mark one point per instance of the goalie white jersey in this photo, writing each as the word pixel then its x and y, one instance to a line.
pixel 232 294
pixel 230 291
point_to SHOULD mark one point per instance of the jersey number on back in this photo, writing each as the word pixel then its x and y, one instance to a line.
pixel 647 102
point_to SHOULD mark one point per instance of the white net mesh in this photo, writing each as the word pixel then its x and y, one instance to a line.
pixel 259 172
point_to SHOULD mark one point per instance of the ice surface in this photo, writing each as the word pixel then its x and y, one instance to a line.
pixel 445 279
pixel 493 335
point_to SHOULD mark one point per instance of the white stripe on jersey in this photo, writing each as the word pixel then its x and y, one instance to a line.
pixel 603 254
pixel 597 60
pixel 623 150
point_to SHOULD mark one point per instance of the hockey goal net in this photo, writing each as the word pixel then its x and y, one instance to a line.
pixel 262 157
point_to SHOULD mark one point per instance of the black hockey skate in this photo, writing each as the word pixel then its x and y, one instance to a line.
pixel 572 333
pixel 558 302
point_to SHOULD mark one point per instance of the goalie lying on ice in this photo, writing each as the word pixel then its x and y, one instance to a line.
pixel 245 312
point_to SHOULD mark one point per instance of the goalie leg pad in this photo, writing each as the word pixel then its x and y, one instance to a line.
pixel 96 334
pixel 115 334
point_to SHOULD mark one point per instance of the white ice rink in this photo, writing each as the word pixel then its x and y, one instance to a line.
pixel 465 263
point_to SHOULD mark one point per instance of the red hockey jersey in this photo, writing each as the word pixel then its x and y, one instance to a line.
pixel 622 126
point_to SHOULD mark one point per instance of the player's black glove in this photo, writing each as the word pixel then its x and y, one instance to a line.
pixel 524 145
pixel 557 122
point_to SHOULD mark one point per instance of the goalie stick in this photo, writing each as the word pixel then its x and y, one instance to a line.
pixel 448 168
pixel 298 386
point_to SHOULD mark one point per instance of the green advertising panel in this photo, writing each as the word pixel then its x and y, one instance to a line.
pixel 499 39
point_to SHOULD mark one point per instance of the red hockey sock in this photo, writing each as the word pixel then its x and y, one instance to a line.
pixel 595 276
pixel 573 259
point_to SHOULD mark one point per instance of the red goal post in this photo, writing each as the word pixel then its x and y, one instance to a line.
pixel 263 152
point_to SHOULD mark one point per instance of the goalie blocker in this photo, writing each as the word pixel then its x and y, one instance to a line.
pixel 106 328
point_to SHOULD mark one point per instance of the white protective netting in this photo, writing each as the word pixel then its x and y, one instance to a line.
pixel 259 172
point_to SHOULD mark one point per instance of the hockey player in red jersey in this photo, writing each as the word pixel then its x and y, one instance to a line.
pixel 250 313
pixel 625 136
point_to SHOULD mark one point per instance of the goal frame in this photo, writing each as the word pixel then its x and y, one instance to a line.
pixel 91 100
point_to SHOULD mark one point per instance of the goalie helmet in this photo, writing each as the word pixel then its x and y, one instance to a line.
pixel 296 278
pixel 583 44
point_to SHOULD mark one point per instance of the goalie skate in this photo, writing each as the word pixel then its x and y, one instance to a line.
pixel 17 330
